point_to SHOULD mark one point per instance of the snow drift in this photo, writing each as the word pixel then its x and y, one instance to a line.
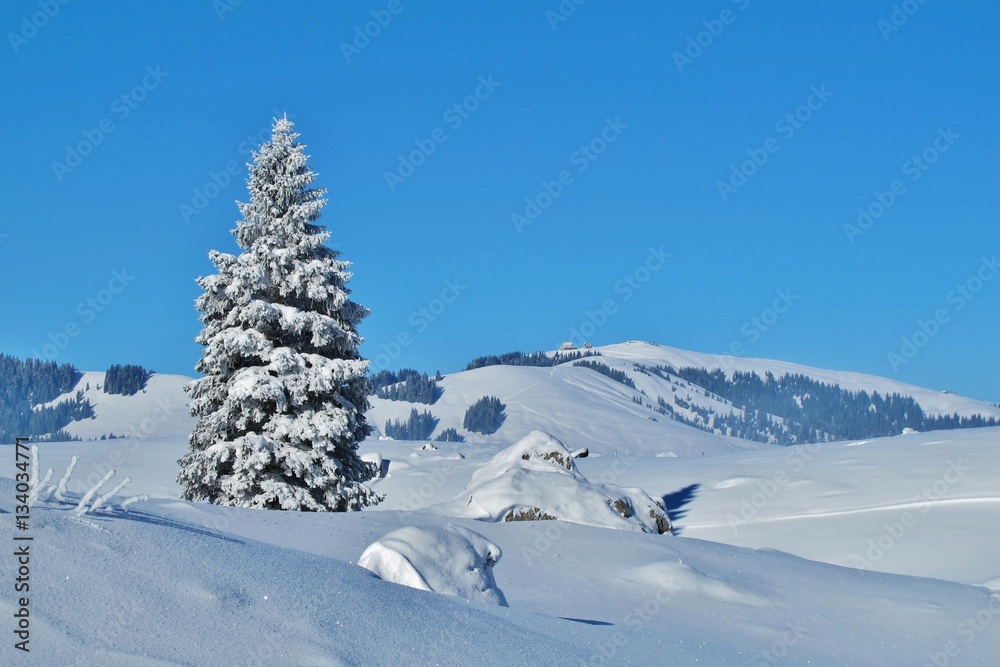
pixel 537 479
pixel 451 560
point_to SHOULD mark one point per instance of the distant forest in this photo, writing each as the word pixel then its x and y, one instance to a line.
pixel 794 409
pixel 126 380
pixel 418 427
pixel 406 385
pixel 604 369
pixel 28 383
pixel 530 359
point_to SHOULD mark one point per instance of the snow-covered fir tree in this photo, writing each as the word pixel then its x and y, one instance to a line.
pixel 281 406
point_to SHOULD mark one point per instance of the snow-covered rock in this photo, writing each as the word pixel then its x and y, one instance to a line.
pixel 451 560
pixel 537 479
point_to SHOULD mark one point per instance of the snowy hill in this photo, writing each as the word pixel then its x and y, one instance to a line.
pixel 576 403
pixel 934 402
pixel 159 410
pixel 573 403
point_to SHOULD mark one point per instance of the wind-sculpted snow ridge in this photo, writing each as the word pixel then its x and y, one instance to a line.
pixel 451 560
pixel 537 479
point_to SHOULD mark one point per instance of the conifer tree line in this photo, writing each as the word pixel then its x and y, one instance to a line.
pixel 419 426
pixel 406 385
pixel 450 435
pixel 604 369
pixel 796 409
pixel 282 401
pixel 25 385
pixel 126 380
pixel 485 416
pixel 540 359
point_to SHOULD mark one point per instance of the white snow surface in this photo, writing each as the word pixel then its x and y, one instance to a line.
pixel 451 560
pixel 178 583
pixel 877 552
pixel 537 474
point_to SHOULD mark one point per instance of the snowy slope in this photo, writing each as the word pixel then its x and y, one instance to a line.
pixel 173 582
pixel 580 405
pixel 159 410
pixel 926 504
pixel 934 402
pixel 146 589
pixel 878 552
pixel 574 404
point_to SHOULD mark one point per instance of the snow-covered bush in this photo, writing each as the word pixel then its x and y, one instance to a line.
pixel 281 406
pixel 450 560
pixel 90 502
pixel 537 478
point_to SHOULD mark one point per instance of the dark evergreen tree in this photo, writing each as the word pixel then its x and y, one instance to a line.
pixel 485 416
pixel 418 427
pixel 450 435
pixel 126 380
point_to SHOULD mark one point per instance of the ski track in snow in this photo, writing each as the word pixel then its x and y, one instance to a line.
pixel 924 505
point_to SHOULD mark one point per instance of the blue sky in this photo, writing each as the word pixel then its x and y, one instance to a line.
pixel 626 124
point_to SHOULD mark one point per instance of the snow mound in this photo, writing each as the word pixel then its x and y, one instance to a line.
pixel 992 584
pixel 451 560
pixel 536 479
